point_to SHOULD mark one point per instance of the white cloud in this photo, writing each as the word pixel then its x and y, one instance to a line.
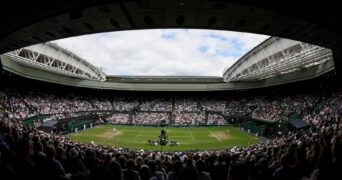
pixel 163 52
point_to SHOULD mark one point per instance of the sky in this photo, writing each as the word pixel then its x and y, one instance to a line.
pixel 167 52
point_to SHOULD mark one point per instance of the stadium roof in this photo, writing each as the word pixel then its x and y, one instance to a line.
pixel 59 19
pixel 315 23
pixel 276 56
pixel 53 58
pixel 165 79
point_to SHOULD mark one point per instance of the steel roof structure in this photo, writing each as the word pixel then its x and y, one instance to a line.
pixel 275 57
pixel 27 23
pixel 53 58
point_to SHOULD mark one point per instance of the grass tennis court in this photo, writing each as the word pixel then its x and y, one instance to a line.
pixel 189 138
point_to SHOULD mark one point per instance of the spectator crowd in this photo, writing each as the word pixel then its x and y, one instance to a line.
pixel 314 153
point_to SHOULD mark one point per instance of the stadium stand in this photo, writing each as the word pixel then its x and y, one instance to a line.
pixel 313 152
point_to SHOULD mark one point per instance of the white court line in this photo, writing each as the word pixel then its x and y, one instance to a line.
pixel 137 135
pixel 149 135
pixel 192 136
pixel 215 136
pixel 191 141
pixel 110 137
pixel 178 136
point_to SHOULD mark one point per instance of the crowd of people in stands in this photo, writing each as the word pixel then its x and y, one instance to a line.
pixel 311 154
pixel 118 119
pixel 188 118
pixel 150 118
pixel 183 111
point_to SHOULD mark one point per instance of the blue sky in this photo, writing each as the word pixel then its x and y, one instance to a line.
pixel 163 51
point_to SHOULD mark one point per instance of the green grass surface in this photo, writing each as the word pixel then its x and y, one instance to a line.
pixel 189 138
